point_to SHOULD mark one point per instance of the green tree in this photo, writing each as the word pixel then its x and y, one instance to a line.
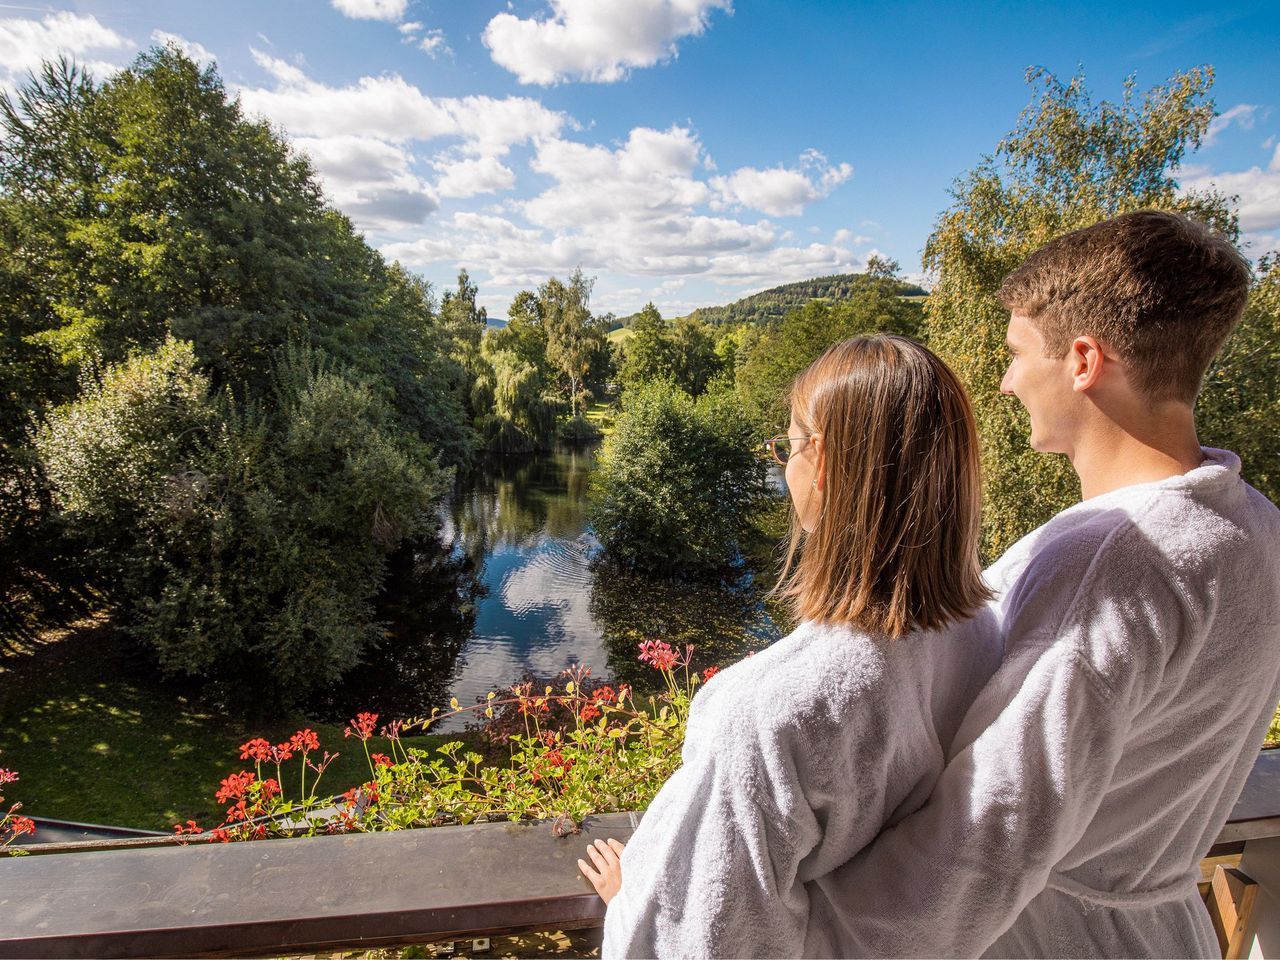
pixel 573 335
pixel 1239 408
pixel 1067 164
pixel 146 212
pixel 677 483
pixel 647 354
pixel 782 351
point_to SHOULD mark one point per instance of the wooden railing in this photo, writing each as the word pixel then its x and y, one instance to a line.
pixel 149 897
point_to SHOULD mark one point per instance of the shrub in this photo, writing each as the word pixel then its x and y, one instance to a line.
pixel 243 545
pixel 677 483
pixel 579 430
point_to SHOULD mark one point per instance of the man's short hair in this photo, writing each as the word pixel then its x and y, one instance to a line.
pixel 1159 290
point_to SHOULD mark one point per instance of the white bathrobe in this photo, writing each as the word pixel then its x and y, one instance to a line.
pixel 794 759
pixel 1142 660
pixel 1089 777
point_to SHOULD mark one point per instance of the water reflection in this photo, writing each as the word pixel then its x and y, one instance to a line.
pixel 428 607
pixel 510 590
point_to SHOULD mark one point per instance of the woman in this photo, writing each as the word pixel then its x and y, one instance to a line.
pixel 796 758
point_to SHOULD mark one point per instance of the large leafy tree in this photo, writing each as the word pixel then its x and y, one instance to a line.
pixel 1069 162
pixel 574 336
pixel 162 256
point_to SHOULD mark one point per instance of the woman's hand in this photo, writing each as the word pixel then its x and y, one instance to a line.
pixel 606 877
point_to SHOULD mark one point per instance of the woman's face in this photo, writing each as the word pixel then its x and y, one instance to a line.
pixel 804 475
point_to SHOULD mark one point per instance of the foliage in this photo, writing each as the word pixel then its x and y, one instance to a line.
pixel 1067 164
pixel 574 336
pixel 583 749
pixel 146 212
pixel 246 543
pixel 781 352
pixel 683 353
pixel 776 302
pixel 1239 409
pixel 677 482
pixel 515 387
pixel 579 430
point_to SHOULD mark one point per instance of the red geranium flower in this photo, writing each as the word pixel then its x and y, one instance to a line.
pixel 235 785
pixel 382 760
pixel 362 726
pixel 304 740
pixel 708 673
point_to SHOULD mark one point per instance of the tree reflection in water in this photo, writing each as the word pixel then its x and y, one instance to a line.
pixel 723 622
pixel 428 605
pixel 510 589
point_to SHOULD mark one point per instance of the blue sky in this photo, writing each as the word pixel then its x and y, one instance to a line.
pixel 682 151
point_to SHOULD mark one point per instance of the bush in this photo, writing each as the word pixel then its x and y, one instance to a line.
pixel 579 430
pixel 246 546
pixel 677 483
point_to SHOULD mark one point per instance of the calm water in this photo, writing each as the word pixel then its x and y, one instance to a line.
pixel 509 589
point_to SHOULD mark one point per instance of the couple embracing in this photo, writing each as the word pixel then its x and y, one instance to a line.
pixel 1025 761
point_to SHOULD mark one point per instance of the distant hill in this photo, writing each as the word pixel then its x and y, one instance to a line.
pixel 776 302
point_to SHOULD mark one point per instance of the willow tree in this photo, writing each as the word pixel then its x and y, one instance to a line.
pixel 1068 163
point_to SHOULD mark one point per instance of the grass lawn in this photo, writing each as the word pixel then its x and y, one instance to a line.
pixel 95 739
pixel 603 416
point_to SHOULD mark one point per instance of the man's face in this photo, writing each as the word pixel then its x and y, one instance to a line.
pixel 1043 385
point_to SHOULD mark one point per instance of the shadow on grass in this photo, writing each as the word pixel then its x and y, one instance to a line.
pixel 97 736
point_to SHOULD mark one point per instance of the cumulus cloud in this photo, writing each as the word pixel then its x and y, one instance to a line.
pixel 432 42
pixel 472 176
pixel 781 191
pixel 363 136
pixel 1241 115
pixel 25 43
pixel 370 180
pixel 196 51
pixel 595 40
pixel 390 10
pixel 390 108
pixel 637 208
pixel 1257 191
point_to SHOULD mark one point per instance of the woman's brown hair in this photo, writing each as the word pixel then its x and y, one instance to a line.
pixel 895 547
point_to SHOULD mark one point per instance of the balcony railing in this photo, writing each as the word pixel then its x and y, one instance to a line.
pixel 149 897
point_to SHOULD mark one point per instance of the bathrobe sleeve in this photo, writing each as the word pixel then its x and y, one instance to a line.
pixel 1083 652
pixel 711 870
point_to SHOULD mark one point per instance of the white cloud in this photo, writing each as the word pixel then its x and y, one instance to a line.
pixel 1242 115
pixel 391 10
pixel 413 26
pixel 362 137
pixel 596 40
pixel 433 43
pixel 1257 190
pixel 466 178
pixel 638 208
pixel 779 191
pixel 196 51
pixel 370 180
pixel 392 109
pixel 24 44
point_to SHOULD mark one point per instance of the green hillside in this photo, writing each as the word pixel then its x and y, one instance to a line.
pixel 776 302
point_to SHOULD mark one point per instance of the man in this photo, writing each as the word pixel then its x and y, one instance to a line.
pixel 1142 638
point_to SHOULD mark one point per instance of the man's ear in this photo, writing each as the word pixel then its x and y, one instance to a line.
pixel 1087 362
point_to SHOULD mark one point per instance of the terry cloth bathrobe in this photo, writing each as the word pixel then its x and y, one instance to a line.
pixel 1142 632
pixel 794 759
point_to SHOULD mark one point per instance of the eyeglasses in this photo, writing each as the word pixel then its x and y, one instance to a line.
pixel 781 447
